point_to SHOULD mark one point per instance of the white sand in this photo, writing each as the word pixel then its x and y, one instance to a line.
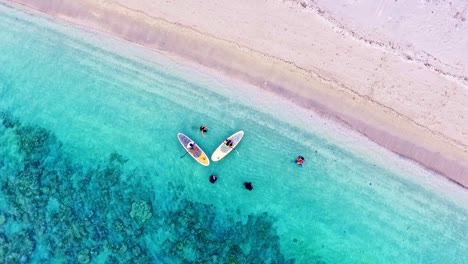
pixel 400 81
pixel 299 35
pixel 432 33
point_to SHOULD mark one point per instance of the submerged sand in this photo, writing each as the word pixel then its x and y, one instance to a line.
pixel 397 94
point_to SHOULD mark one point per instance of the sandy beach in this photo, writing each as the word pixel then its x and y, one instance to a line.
pixel 398 82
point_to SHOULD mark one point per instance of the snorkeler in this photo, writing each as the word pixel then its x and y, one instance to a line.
pixel 203 130
pixel 248 186
pixel 213 178
pixel 300 160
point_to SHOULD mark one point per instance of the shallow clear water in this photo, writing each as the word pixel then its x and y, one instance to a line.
pixel 90 167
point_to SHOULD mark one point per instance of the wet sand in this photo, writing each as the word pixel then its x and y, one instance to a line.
pixel 401 104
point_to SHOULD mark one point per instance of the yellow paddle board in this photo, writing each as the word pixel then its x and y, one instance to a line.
pixel 193 149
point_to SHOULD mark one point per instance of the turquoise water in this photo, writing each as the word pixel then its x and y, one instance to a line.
pixel 90 167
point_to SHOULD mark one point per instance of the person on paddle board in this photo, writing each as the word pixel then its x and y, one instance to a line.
pixel 229 142
pixel 203 130
pixel 191 145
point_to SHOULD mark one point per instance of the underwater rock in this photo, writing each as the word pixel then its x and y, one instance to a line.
pixel 88 222
pixel 18 248
pixel 41 228
pixel 4 245
pixel 112 260
pixel 179 245
pixel 95 250
pixel 3 251
pixel 28 243
pixel 114 247
pixel 123 248
pixel 12 257
pixel 119 225
pixel 2 219
pixel 200 227
pixel 27 182
pixel 84 257
pixel 79 230
pixel 3 239
pixel 114 156
pixel 101 200
pixel 136 251
pixel 110 176
pixel 320 261
pixel 138 232
pixel 141 211
pixel 7 120
pixel 44 190
pixel 99 233
pixel 31 138
pixel 49 182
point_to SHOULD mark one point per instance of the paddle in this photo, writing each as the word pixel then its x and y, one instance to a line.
pixel 184 154
pixel 192 145
pixel 235 150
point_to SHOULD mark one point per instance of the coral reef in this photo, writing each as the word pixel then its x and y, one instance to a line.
pixel 141 211
pixel 78 214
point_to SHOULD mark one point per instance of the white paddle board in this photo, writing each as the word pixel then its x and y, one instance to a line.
pixel 223 149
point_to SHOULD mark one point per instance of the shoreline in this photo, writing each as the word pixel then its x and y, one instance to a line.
pixel 300 86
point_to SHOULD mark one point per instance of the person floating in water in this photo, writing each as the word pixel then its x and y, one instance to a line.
pixel 203 130
pixel 229 142
pixel 213 178
pixel 300 161
pixel 248 186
